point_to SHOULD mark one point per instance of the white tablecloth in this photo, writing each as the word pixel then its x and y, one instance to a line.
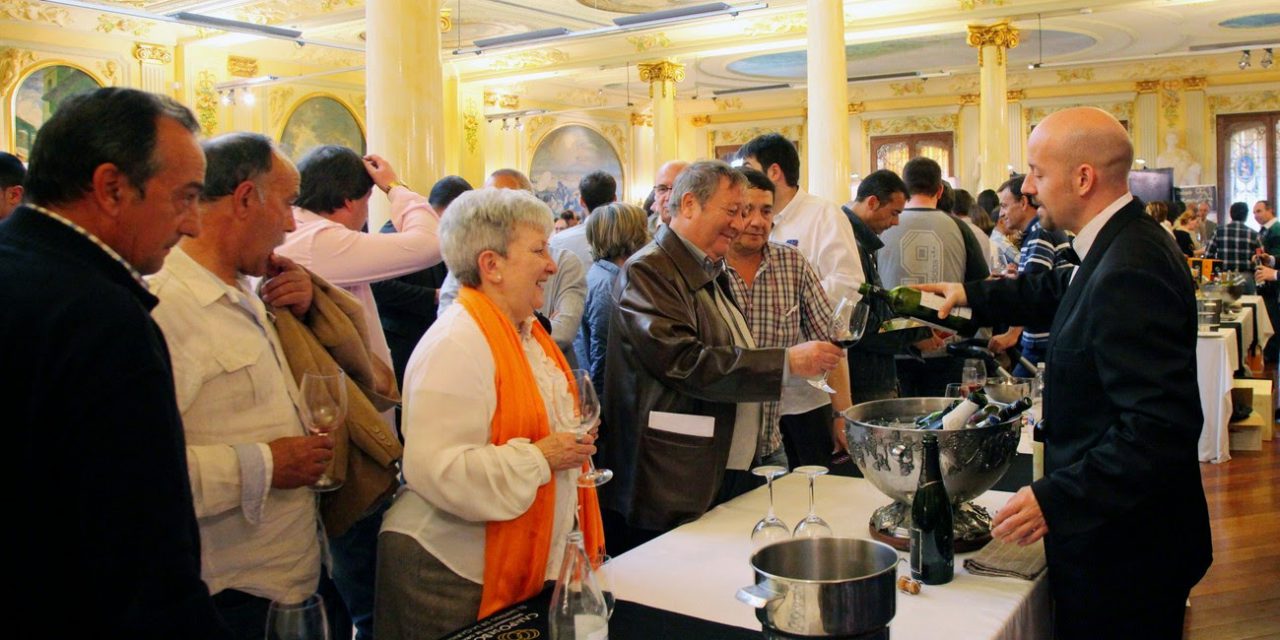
pixel 1216 361
pixel 697 569
pixel 1265 330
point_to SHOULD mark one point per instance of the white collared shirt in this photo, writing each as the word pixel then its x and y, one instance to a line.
pixel 823 235
pixel 456 480
pixel 237 394
pixel 1089 232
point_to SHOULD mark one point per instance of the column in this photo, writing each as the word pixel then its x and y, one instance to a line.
pixel 662 77
pixel 969 144
pixel 1146 124
pixel 1017 145
pixel 404 85
pixel 474 134
pixel 992 42
pixel 1196 124
pixel 859 160
pixel 827 133
pixel 152 59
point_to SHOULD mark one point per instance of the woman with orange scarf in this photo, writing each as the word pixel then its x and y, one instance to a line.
pixel 490 466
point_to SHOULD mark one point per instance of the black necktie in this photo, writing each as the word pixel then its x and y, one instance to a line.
pixel 1069 254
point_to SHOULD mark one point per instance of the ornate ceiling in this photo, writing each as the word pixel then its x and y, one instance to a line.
pixel 759 47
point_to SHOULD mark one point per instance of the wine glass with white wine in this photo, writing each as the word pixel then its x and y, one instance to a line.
pixel 324 409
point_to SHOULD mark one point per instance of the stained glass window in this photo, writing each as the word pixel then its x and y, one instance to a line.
pixel 1247 168
pixel 893 156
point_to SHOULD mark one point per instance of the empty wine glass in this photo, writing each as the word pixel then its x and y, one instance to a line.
pixel 974 375
pixel 586 409
pixel 323 408
pixel 956 390
pixel 602 568
pixel 304 620
pixel 848 323
pixel 812 526
pixel 770 529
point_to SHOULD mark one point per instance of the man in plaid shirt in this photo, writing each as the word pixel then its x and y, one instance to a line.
pixel 784 303
pixel 1234 242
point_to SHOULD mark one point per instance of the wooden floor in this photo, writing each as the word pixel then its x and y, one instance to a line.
pixel 1240 596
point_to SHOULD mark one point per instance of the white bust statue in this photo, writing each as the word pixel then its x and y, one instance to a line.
pixel 1186 171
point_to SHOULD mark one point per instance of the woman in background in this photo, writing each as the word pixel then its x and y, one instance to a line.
pixel 614 231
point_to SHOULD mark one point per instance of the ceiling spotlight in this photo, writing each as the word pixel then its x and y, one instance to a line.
pixel 228 98
pixel 1266 61
pixel 1142 164
pixel 248 98
pixel 1244 60
pixel 505 126
pixel 519 125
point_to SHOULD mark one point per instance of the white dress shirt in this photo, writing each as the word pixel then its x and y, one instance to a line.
pixel 456 480
pixel 354 260
pixel 822 233
pixel 237 394
pixel 1089 232
pixel 574 239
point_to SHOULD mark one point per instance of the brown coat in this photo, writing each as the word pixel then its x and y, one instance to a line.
pixel 334 335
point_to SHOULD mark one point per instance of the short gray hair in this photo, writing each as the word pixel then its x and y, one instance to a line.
pixel 486 220
pixel 616 230
pixel 702 179
pixel 514 174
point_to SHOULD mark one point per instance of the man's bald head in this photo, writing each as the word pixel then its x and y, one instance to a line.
pixel 509 179
pixel 662 184
pixel 1080 159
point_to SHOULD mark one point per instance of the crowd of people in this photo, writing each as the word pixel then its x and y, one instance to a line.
pixel 171 294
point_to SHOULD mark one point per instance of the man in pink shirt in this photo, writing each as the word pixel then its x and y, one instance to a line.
pixel 331 212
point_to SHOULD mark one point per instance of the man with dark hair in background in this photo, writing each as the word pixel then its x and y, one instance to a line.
pixel 407 304
pixel 249 458
pixel 1234 244
pixel 594 189
pixel 11 175
pixel 101 504
pixel 928 246
pixel 873 374
pixel 818 229
pixel 331 210
pixel 1269 236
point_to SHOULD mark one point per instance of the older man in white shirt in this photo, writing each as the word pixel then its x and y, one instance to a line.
pixel 249 459
pixel 331 211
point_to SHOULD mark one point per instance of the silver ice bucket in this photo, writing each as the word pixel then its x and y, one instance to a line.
pixel 886 445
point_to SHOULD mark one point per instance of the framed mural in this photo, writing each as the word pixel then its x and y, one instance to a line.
pixel 39 95
pixel 320 119
pixel 563 157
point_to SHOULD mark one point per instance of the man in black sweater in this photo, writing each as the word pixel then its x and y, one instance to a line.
pixel 100 502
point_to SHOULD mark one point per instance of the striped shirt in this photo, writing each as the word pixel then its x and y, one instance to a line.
pixel 784 306
pixel 1233 243
pixel 1041 251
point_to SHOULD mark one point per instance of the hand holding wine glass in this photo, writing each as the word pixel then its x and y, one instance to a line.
pixel 586 405
pixel 324 409
pixel 304 620
pixel 848 322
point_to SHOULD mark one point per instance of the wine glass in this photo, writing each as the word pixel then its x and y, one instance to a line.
pixel 304 620
pixel 323 408
pixel 956 390
pixel 974 375
pixel 603 578
pixel 770 529
pixel 586 409
pixel 812 526
pixel 848 323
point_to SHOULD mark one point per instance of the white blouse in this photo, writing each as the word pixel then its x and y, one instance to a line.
pixel 456 480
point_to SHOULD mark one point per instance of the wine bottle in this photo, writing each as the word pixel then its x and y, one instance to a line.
pixel 923 306
pixel 935 418
pixel 932 553
pixel 956 415
pixel 1006 412
pixel 578 607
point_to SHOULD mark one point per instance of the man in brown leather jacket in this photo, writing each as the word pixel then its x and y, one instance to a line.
pixel 683 379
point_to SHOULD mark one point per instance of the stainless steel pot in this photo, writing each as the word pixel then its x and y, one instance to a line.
pixel 824 587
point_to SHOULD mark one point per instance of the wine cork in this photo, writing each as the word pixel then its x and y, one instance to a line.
pixel 906 584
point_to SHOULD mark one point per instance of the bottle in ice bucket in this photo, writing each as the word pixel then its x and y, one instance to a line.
pixel 956 415
pixel 932 553
pixel 578 610
pixel 923 306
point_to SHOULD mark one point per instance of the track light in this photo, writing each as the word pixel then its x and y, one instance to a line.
pixel 228 98
pixel 1244 60
pixel 1266 61
pixel 247 99
pixel 519 125
pixel 505 126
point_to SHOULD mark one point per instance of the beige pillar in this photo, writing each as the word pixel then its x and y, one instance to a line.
pixel 1016 129
pixel 1196 124
pixel 859 158
pixel 1145 127
pixel 992 42
pixel 152 62
pixel 662 77
pixel 827 133
pixel 403 92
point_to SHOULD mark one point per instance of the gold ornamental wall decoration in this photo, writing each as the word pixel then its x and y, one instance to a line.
pixel 1000 35
pixel 1146 86
pixel 856 108
pixel 969 99
pixel 12 61
pixel 242 67
pixel 1194 83
pixel 641 119
pixel 661 72
pixel 148 53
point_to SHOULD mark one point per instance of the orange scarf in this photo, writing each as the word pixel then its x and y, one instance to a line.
pixel 516 551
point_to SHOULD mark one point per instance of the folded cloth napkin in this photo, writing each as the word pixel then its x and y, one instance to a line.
pixel 1008 560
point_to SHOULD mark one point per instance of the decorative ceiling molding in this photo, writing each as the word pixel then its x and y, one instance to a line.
pixel 649 41
pixel 911 124
pixel 970 5
pixel 796 22
pixel 29 11
pixel 1066 76
pixel 109 23
pixel 531 59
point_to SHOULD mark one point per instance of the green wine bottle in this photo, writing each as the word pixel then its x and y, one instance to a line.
pixel 923 306
pixel 932 551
